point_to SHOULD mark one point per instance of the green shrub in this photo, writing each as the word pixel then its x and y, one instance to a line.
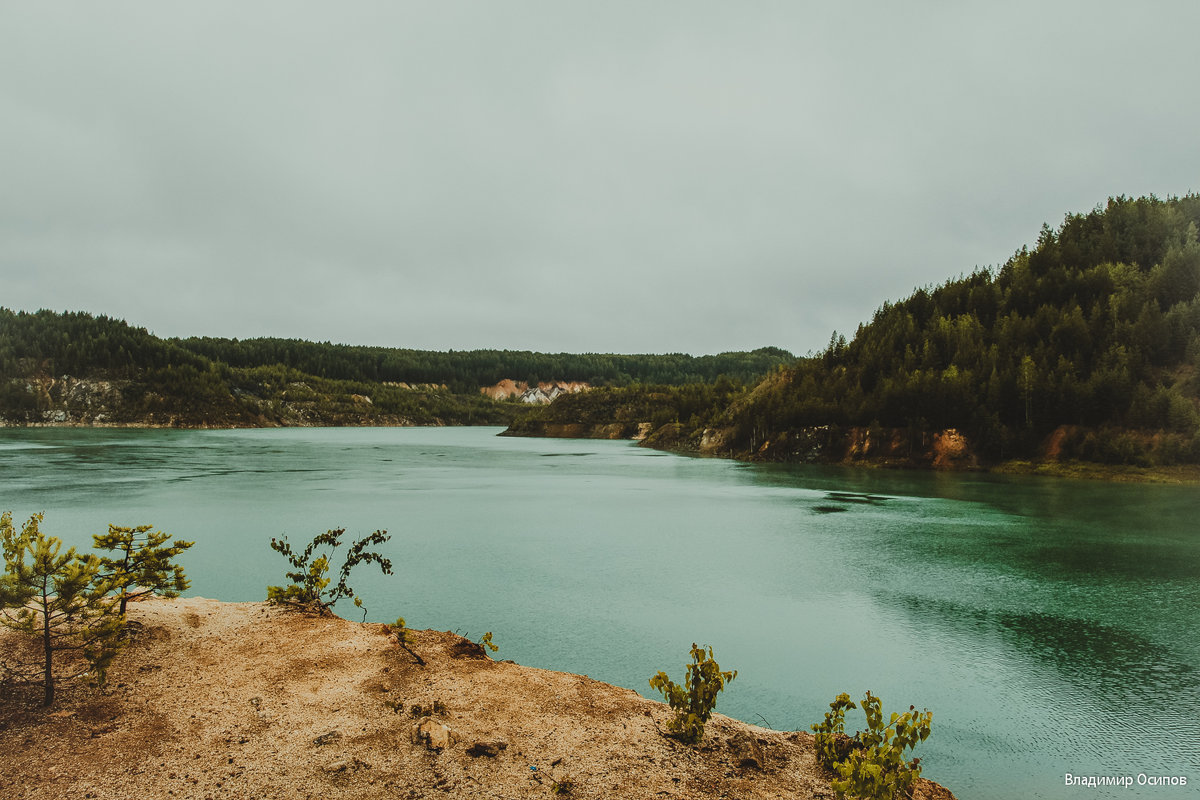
pixel 309 585
pixel 694 703
pixel 831 742
pixel 871 764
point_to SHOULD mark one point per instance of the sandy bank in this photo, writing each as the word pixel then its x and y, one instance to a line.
pixel 242 700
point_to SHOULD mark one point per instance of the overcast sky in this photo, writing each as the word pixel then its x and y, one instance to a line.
pixel 563 176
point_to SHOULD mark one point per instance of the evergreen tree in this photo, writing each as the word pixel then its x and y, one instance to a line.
pixel 61 601
pixel 143 563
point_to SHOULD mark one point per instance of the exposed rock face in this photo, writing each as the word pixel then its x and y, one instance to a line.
pixel 504 390
pixel 946 449
pixel 90 394
pixel 416 387
pixel 716 440
pixel 543 393
pixel 952 451
pixel 83 402
pixel 67 400
pixel 1052 447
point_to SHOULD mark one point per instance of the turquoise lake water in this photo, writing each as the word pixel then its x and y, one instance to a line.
pixel 1052 626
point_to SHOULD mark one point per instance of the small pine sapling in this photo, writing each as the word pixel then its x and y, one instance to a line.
pixel 401 633
pixel 309 585
pixel 484 643
pixel 61 601
pixel 142 564
pixel 562 787
pixel 693 703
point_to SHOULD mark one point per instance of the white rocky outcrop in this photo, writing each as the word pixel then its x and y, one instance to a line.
pixel 542 393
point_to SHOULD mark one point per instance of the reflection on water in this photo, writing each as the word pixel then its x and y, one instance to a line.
pixel 1111 669
pixel 1050 625
pixel 851 497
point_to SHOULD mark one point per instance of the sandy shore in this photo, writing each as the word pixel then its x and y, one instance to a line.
pixel 243 700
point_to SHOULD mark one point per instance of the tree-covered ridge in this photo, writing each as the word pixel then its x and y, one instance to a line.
pixel 73 367
pixel 1097 326
pixel 467 370
pixel 78 343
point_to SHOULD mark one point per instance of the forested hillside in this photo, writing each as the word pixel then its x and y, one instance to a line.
pixel 1085 346
pixel 467 370
pixel 80 368
pixel 1098 326
pixel 77 343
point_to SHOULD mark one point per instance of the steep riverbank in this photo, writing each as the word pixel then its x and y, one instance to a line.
pixel 884 448
pixel 242 700
pixel 239 399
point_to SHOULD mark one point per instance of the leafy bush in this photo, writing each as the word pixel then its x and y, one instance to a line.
pixel 693 704
pixel 310 587
pixel 871 764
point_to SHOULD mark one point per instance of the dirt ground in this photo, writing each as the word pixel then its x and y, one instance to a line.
pixel 244 700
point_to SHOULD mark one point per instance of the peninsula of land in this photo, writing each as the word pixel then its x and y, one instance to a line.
pixel 245 700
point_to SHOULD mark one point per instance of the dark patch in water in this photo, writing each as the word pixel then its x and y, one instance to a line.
pixel 854 497
pixel 558 455
pixel 829 509
pixel 1108 660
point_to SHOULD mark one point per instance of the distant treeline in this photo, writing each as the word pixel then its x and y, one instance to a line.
pixel 1097 327
pixel 146 379
pixel 76 343
pixel 467 370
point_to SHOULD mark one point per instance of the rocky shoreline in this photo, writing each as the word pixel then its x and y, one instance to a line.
pixel 889 448
pixel 947 451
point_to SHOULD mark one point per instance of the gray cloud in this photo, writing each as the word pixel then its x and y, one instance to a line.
pixel 561 175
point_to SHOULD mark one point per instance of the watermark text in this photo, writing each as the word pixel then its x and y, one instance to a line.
pixel 1141 779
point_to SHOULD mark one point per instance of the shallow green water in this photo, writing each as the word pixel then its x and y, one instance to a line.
pixel 1051 626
